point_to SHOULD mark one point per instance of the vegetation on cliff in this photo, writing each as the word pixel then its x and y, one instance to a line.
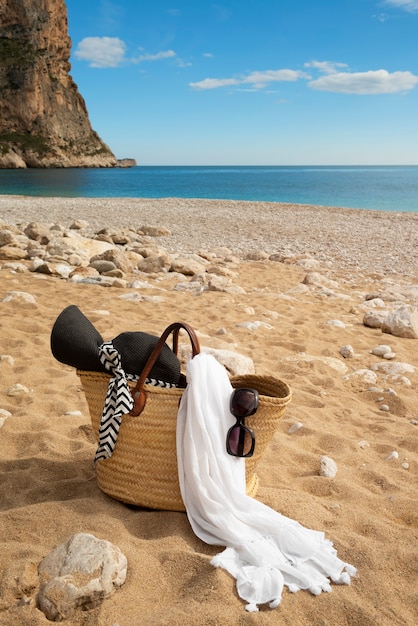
pixel 44 121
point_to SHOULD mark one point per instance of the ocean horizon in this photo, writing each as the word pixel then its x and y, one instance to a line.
pixel 381 188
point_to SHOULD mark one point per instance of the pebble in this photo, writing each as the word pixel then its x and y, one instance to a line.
pixel 17 390
pixel 336 323
pixel 254 325
pixel 73 413
pixel 405 465
pixel 363 444
pixel 295 427
pixel 347 351
pixel 384 407
pixel 6 358
pixel 392 455
pixel 328 467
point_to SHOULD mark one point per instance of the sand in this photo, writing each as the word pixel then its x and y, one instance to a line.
pixel 369 510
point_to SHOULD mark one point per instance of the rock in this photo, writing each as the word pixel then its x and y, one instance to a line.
pixel 336 323
pixel 395 368
pixel 55 269
pixel 119 258
pixel 327 467
pixel 255 325
pixel 381 350
pixel 402 323
pixel 4 415
pixel 256 255
pixel 12 253
pixel 84 272
pixel 155 231
pixel 347 352
pixel 365 376
pixel 234 362
pixel 102 266
pixel 35 79
pixel 189 266
pixel 17 390
pixel 221 283
pixel 80 573
pixel 374 319
pixel 7 358
pixel 375 302
pixel 39 232
pixel 295 427
pixel 79 225
pixel 19 295
pixel 318 280
pixel 155 264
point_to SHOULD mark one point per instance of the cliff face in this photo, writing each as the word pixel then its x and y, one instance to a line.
pixel 43 119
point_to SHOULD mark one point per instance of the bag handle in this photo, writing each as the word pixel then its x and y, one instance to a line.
pixel 138 394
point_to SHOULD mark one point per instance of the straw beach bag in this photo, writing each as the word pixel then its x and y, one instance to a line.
pixel 143 467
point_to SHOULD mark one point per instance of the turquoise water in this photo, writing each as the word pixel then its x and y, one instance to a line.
pixel 383 188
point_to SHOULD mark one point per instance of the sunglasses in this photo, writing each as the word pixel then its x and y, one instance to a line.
pixel 240 439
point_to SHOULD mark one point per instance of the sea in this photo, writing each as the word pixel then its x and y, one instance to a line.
pixel 381 188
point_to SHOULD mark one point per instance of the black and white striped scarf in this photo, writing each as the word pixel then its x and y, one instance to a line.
pixel 118 400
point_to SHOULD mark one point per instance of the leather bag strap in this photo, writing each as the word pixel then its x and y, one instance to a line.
pixel 138 394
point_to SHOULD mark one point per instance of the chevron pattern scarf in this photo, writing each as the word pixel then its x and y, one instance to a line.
pixel 118 400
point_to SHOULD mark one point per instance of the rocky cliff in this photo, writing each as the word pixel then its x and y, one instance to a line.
pixel 43 119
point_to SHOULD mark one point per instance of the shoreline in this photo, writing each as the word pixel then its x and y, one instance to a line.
pixel 350 239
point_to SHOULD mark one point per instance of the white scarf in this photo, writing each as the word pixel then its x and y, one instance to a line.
pixel 264 549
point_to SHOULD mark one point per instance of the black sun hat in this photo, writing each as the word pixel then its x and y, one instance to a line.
pixel 76 342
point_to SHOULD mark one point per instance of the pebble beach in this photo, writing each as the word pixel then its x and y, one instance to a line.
pixel 323 298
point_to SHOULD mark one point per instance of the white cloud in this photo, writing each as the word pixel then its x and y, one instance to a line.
pixel 327 67
pixel 411 6
pixel 372 82
pixel 261 79
pixel 209 55
pixel 257 79
pixel 214 83
pixel 101 51
pixel 164 54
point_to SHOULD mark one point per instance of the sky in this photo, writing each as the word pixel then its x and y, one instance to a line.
pixel 250 82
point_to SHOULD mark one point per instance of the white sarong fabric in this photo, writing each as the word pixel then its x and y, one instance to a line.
pixel 264 549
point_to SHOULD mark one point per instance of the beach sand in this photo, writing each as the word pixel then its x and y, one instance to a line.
pixel 369 511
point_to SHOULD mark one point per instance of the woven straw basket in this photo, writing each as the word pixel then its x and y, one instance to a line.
pixel 143 467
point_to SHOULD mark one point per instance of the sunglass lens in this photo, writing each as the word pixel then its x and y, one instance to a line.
pixel 243 402
pixel 240 441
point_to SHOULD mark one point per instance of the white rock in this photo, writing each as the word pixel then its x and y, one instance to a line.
pixel 295 427
pixel 17 390
pixel 327 467
pixel 395 368
pixel 402 323
pixel 366 376
pixel 6 358
pixel 19 295
pixel 336 323
pixel 405 465
pixel 79 573
pixel 363 444
pixel 380 350
pixel 392 455
pixel 374 319
pixel 254 325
